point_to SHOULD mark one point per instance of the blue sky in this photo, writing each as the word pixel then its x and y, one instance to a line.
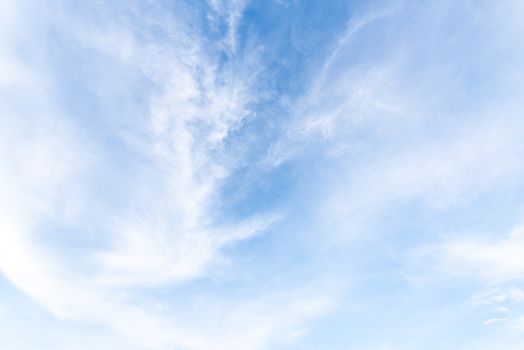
pixel 280 174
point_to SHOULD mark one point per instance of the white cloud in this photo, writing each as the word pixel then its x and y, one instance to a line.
pixel 167 229
pixel 492 263
pixel 496 259
pixel 229 11
pixel 171 101
pixel 391 129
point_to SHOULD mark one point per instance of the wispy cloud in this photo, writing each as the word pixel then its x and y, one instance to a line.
pixel 123 137
pixel 165 229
